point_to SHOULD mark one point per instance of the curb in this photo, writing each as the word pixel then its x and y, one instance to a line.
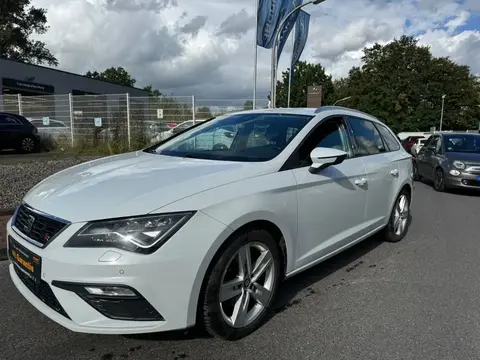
pixel 6 212
pixel 3 253
pixel 3 243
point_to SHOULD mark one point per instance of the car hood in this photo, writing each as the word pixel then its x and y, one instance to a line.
pixel 467 158
pixel 132 184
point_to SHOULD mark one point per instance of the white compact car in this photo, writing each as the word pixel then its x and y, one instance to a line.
pixel 418 146
pixel 177 129
pixel 182 233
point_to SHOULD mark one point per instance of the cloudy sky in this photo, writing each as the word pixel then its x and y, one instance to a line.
pixel 205 47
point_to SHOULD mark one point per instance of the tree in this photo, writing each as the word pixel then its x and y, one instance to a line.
pixel 152 92
pixel 18 21
pixel 115 75
pixel 402 84
pixel 203 112
pixel 248 105
pixel 305 75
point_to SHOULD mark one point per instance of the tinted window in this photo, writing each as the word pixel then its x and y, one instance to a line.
pixel 330 134
pixel 462 143
pixel 367 138
pixel 389 139
pixel 255 137
pixel 8 120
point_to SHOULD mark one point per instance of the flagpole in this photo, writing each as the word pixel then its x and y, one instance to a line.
pixel 255 56
pixel 291 70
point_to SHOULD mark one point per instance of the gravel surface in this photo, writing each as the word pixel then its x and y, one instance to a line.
pixel 414 300
pixel 18 174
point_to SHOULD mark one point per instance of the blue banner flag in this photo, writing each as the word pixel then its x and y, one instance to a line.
pixel 269 14
pixel 301 35
pixel 288 25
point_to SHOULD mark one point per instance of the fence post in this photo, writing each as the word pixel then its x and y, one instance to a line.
pixel 70 108
pixel 193 109
pixel 128 120
pixel 20 107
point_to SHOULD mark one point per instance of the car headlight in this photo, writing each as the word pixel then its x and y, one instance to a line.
pixel 459 164
pixel 142 234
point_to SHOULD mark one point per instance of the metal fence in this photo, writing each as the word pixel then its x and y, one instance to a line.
pixel 115 119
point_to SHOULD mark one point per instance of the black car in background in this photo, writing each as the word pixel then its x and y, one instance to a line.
pixel 16 132
pixel 450 160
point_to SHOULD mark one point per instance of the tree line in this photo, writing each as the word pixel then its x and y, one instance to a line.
pixel 401 82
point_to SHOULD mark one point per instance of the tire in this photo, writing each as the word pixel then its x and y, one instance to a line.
pixel 219 317
pixel 439 180
pixel 416 175
pixel 393 233
pixel 28 144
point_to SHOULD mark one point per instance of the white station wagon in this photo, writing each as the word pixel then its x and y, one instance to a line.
pixel 181 234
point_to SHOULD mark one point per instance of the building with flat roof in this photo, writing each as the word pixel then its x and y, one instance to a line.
pixel 29 80
pixel 39 92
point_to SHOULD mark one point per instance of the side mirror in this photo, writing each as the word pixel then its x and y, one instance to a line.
pixel 325 157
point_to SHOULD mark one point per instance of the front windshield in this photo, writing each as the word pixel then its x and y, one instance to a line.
pixel 468 143
pixel 236 137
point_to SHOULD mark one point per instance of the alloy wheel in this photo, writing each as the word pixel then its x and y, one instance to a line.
pixel 439 180
pixel 247 285
pixel 28 144
pixel 401 215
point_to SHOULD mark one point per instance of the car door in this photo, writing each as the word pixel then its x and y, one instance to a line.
pixel 10 131
pixel 331 203
pixel 428 157
pixel 380 172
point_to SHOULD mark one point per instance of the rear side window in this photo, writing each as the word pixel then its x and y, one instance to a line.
pixel 9 120
pixel 366 137
pixel 389 139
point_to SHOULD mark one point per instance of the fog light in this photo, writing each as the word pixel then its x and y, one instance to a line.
pixel 454 172
pixel 110 291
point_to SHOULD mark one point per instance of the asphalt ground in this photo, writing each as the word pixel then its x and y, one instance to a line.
pixel 418 299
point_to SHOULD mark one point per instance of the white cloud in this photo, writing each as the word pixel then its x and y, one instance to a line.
pixel 205 47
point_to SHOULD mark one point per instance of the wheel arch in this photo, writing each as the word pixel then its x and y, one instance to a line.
pixel 263 224
pixel 406 186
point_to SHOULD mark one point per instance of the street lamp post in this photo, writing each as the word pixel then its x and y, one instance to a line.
pixel 441 115
pixel 344 99
pixel 273 84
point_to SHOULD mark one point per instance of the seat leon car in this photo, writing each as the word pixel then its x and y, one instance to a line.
pixel 191 231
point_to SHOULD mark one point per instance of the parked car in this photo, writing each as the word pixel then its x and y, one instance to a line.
pixel 53 123
pixel 418 146
pixel 450 160
pixel 177 129
pixel 409 141
pixel 182 232
pixel 16 132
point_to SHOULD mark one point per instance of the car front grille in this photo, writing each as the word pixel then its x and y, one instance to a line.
pixel 41 291
pixel 473 169
pixel 471 183
pixel 38 227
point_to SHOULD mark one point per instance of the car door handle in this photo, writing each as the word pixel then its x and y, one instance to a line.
pixel 394 172
pixel 360 182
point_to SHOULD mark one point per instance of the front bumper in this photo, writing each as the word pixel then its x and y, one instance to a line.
pixel 169 279
pixel 463 181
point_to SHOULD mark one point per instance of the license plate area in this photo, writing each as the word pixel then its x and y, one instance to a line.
pixel 26 261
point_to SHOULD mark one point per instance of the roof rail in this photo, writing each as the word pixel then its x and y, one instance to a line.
pixel 331 107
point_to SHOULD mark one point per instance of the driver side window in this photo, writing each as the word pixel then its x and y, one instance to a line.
pixel 329 134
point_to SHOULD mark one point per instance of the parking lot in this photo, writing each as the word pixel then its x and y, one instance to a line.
pixel 417 299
